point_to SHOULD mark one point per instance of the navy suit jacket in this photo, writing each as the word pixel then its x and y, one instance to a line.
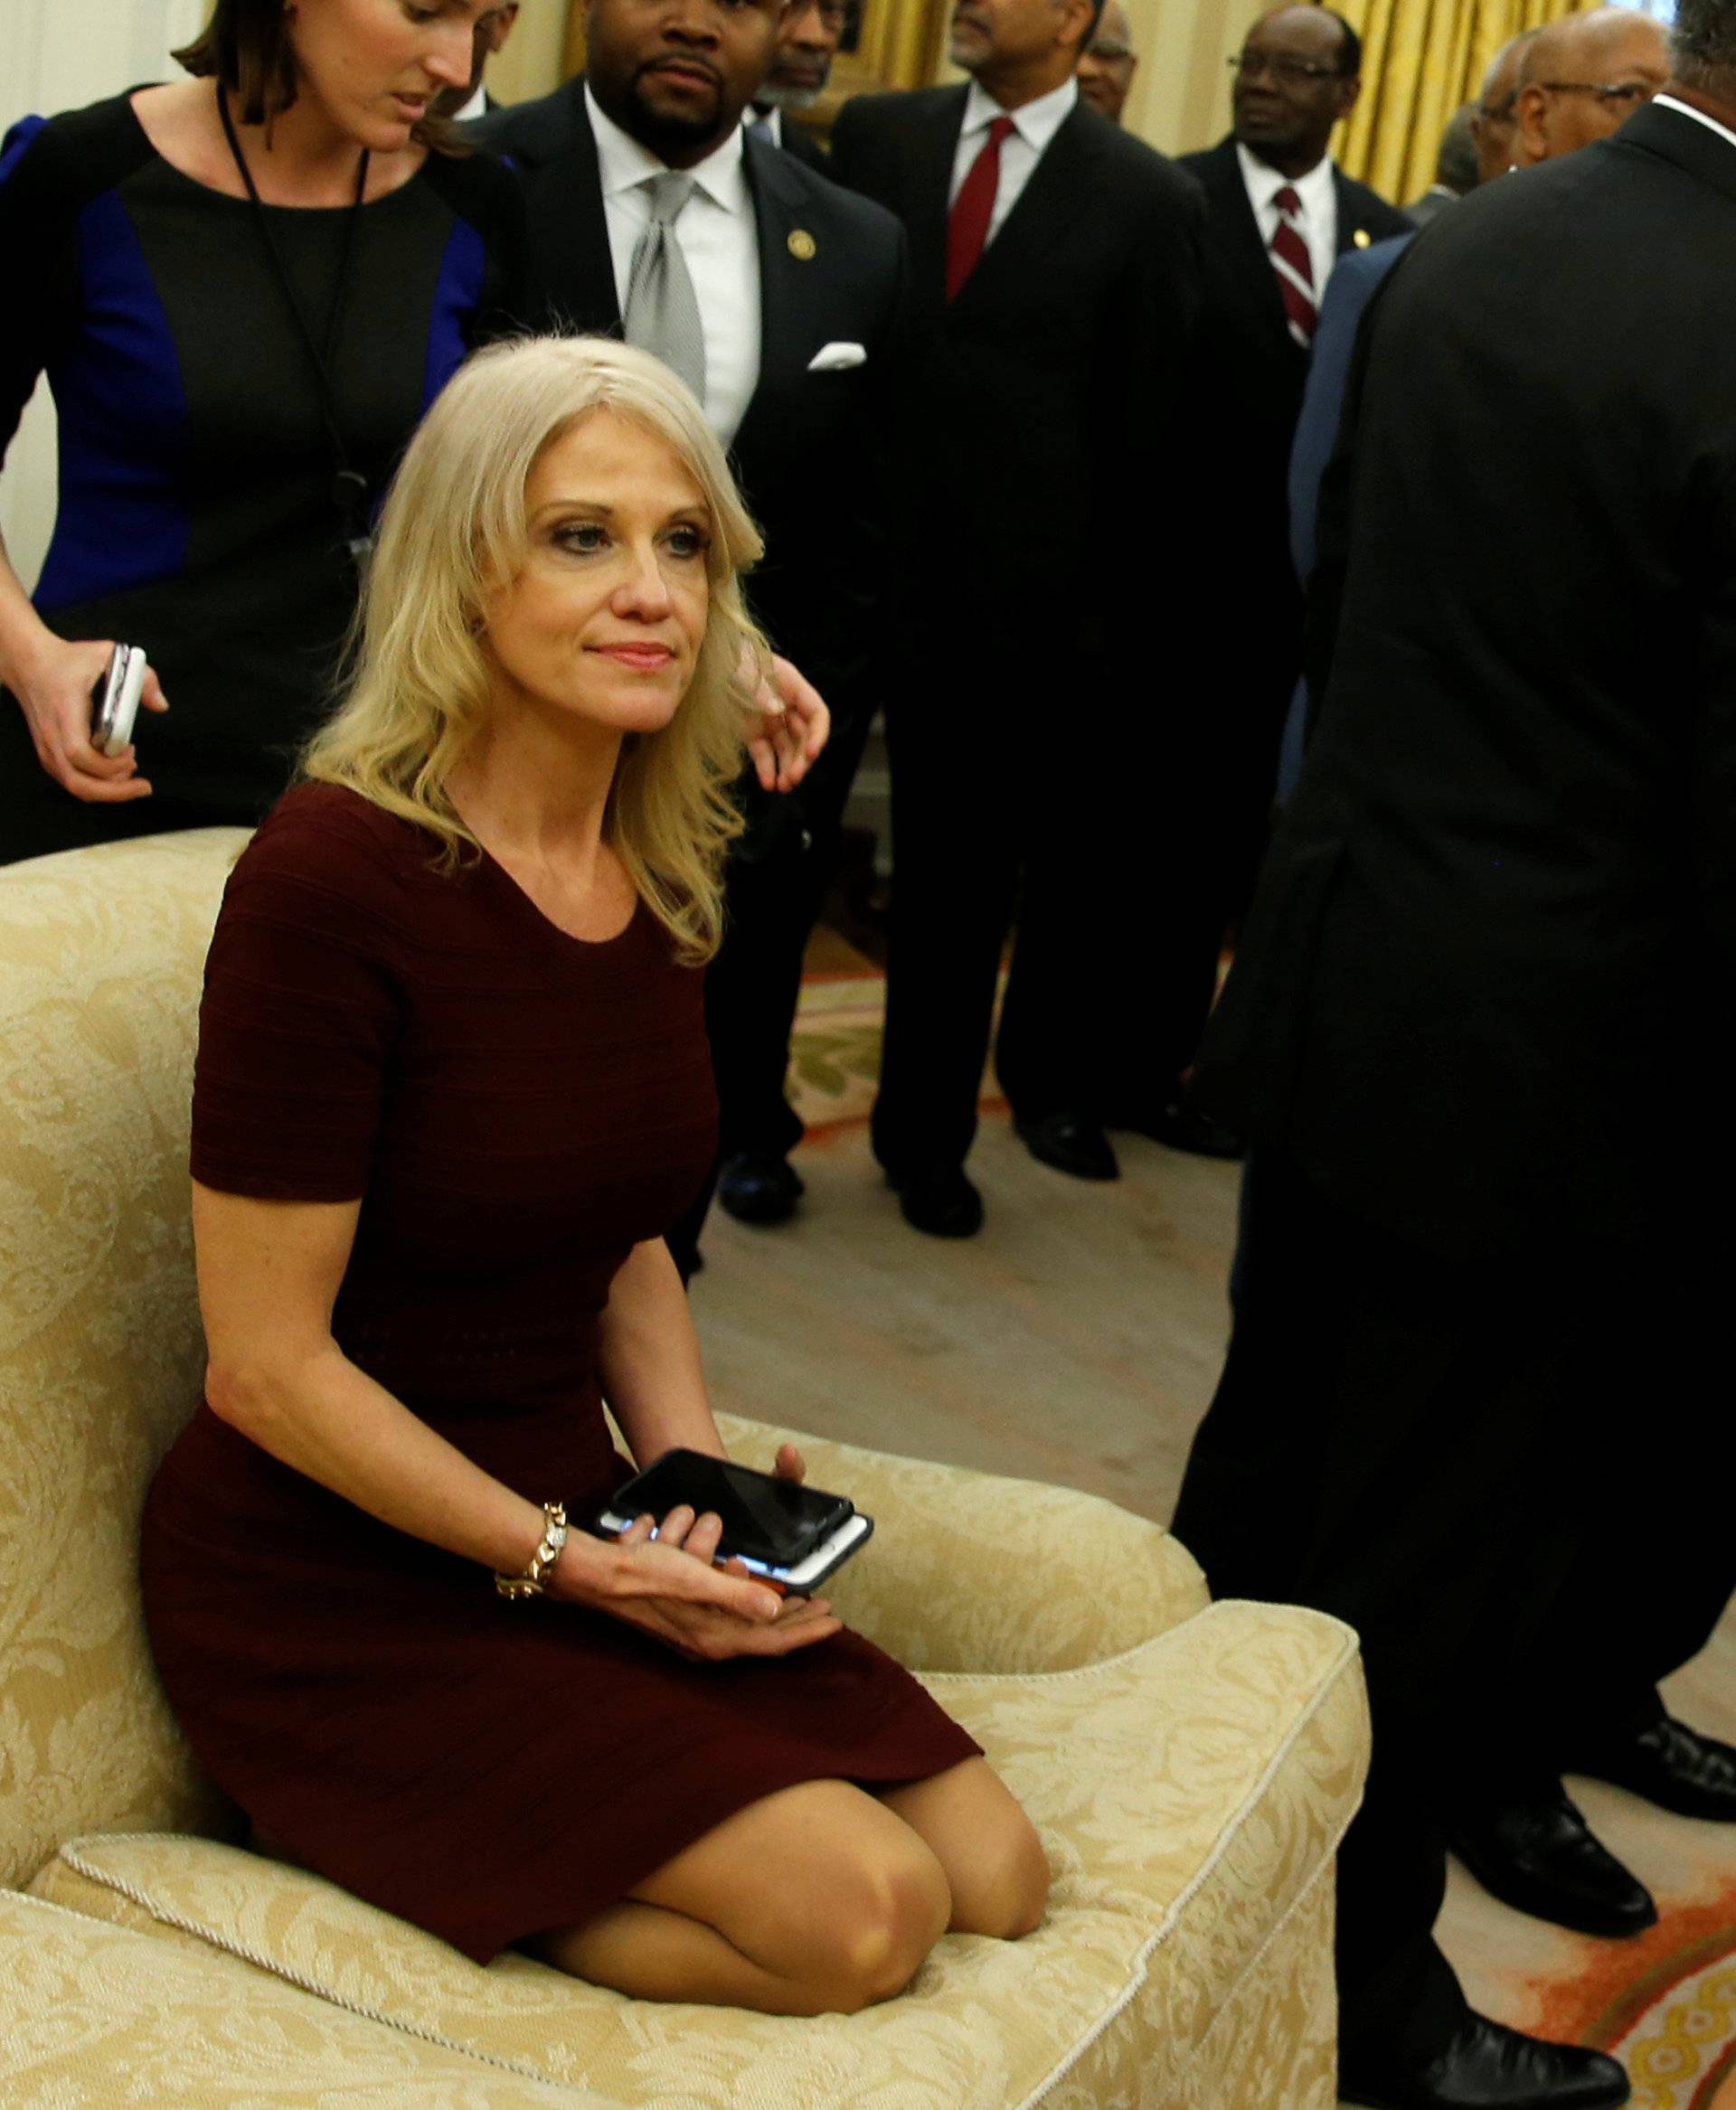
pixel 1353 284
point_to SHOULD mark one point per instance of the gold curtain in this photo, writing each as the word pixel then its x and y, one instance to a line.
pixel 1421 60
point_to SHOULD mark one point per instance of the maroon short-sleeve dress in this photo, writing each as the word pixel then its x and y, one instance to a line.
pixel 515 1109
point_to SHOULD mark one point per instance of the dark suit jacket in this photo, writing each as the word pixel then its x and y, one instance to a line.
pixel 803 145
pixel 1249 394
pixel 1039 423
pixel 1497 930
pixel 807 453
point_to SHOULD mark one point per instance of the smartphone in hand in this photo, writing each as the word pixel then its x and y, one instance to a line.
pixel 115 700
pixel 782 1530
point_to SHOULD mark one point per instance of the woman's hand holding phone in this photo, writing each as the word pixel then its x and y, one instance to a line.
pixel 53 690
pixel 670 1587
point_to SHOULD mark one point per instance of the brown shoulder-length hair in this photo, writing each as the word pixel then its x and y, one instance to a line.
pixel 246 47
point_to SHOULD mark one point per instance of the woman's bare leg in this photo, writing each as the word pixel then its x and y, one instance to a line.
pixel 996 1868
pixel 815 1901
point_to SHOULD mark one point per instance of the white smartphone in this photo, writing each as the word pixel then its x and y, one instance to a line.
pixel 117 705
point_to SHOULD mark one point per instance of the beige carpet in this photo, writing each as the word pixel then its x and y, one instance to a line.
pixel 1077 1340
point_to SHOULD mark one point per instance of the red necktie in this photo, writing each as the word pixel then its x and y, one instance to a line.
pixel 1294 270
pixel 974 208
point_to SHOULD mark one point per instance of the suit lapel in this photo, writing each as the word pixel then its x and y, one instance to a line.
pixel 1047 209
pixel 783 341
pixel 1353 233
pixel 1244 253
pixel 928 162
pixel 569 224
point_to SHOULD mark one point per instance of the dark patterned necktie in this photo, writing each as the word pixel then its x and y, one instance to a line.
pixel 1290 260
pixel 974 208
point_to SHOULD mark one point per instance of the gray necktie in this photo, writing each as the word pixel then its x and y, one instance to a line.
pixel 661 314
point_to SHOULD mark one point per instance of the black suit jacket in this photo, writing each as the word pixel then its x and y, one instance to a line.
pixel 1038 427
pixel 803 145
pixel 1497 931
pixel 1249 391
pixel 808 453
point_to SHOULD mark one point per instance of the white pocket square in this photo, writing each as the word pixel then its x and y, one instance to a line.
pixel 834 358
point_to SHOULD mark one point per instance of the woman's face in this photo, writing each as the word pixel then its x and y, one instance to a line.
pixel 375 66
pixel 604 622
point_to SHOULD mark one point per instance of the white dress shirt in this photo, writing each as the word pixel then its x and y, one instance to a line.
pixel 1034 125
pixel 472 106
pixel 720 240
pixel 1686 109
pixel 772 120
pixel 1319 197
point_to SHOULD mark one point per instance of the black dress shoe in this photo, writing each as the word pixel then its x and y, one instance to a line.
pixel 939 1200
pixel 1673 1767
pixel 757 1188
pixel 1485 2065
pixel 1540 1857
pixel 1070 1144
pixel 1173 1123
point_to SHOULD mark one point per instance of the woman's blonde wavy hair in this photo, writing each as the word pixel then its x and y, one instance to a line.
pixel 416 690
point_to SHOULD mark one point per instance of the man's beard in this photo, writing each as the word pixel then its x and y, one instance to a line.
pixel 776 96
pixel 667 133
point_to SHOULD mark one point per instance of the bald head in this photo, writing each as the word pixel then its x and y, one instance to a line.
pixel 1107 64
pixel 1582 79
pixel 1494 116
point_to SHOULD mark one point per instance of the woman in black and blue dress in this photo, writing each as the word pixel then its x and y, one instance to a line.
pixel 244 288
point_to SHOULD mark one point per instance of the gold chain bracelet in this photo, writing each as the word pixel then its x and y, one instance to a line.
pixel 548 1552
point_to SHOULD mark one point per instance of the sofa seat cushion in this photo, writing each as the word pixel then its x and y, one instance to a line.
pixel 1190 1792
pixel 94 2017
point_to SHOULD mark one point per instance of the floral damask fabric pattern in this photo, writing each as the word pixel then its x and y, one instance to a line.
pixel 96 2016
pixel 1191 1768
pixel 1189 1793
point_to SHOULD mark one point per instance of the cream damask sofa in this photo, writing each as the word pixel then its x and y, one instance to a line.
pixel 1192 1766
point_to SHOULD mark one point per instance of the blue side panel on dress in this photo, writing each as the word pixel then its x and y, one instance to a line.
pixel 458 295
pixel 11 147
pixel 122 407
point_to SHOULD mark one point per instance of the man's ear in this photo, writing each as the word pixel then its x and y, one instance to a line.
pixel 1530 127
pixel 1075 16
pixel 1348 91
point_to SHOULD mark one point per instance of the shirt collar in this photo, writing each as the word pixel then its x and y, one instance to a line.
pixel 1264 182
pixel 1036 123
pixel 622 163
pixel 772 118
pixel 1669 102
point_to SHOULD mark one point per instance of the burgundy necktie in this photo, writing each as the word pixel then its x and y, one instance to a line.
pixel 1295 271
pixel 974 208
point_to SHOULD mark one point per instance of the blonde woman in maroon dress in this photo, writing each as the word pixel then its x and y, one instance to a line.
pixel 452 1087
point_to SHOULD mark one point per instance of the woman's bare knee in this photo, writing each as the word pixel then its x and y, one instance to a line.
pixel 1007 1892
pixel 867 1936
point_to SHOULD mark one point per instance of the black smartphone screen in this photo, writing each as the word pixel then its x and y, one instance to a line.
pixel 777 1522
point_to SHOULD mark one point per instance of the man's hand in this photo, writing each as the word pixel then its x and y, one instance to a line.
pixel 794 726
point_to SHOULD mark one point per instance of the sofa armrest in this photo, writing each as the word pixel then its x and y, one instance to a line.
pixel 969 1571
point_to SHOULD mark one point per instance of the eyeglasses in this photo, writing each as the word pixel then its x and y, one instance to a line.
pixel 1500 110
pixel 1612 94
pixel 1110 54
pixel 1293 73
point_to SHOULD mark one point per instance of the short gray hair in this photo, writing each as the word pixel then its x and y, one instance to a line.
pixel 1706 40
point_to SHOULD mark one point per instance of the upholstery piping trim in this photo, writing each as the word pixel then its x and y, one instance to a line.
pixel 105 1879
pixel 1137 1975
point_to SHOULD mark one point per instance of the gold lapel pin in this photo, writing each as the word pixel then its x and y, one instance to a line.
pixel 1362 238
pixel 802 245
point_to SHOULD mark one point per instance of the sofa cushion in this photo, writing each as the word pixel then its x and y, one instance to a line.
pixel 1191 1793
pixel 93 2017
